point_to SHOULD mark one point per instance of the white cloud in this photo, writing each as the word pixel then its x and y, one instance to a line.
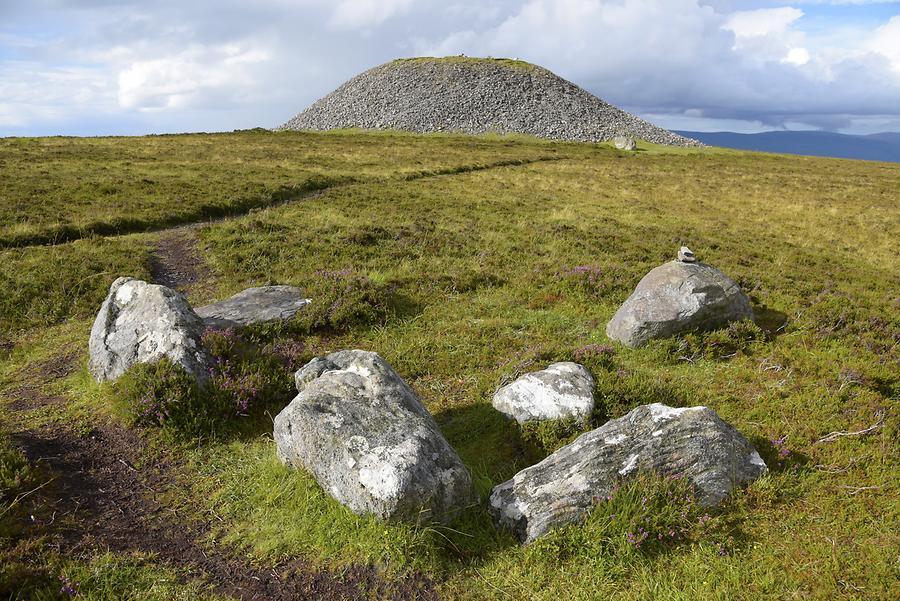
pixel 886 42
pixel 359 14
pixel 765 21
pixel 797 56
pixel 177 81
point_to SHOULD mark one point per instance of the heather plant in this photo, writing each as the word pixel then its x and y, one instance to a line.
pixel 342 299
pixel 162 394
pixel 249 377
pixel 738 337
pixel 645 514
pixel 590 280
pixel 293 354
pixel 243 381
pixel 596 356
pixel 16 476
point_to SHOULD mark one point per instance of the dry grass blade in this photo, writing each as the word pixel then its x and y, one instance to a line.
pixel 843 434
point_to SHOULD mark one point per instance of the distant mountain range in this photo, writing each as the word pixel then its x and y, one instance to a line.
pixel 873 147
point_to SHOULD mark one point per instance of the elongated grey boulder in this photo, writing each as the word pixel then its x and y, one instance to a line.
pixel 366 438
pixel 142 323
pixel 692 442
pixel 262 304
pixel 563 390
pixel 678 297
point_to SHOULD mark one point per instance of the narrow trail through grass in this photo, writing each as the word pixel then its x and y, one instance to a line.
pixel 210 214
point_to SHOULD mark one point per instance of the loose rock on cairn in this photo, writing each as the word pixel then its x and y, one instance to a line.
pixel 676 297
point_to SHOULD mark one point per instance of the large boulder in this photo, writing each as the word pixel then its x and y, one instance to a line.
pixel 142 323
pixel 693 443
pixel 677 297
pixel 624 143
pixel 254 305
pixel 563 390
pixel 366 438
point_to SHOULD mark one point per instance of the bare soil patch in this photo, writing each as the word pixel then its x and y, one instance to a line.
pixel 28 393
pixel 175 261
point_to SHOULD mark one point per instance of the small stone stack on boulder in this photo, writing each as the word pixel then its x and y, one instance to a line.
pixel 693 443
pixel 677 297
pixel 366 438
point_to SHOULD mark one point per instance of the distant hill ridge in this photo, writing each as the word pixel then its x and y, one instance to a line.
pixel 872 147
pixel 475 96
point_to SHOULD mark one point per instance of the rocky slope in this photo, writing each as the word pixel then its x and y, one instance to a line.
pixel 475 96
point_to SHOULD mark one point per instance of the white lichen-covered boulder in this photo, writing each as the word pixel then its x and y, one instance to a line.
pixel 142 323
pixel 366 438
pixel 563 390
pixel 677 297
pixel 693 443
pixel 262 304
pixel 624 143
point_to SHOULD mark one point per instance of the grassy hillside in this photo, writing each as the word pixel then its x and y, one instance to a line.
pixel 462 279
pixel 60 189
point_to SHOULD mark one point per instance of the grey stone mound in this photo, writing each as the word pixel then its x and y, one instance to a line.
pixel 692 443
pixel 475 96
pixel 254 305
pixel 563 390
pixel 142 323
pixel 366 438
pixel 678 297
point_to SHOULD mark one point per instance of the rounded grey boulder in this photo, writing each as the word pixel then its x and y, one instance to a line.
pixel 366 438
pixel 692 443
pixel 142 323
pixel 678 297
pixel 563 390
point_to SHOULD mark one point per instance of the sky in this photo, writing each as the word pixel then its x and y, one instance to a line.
pixel 118 67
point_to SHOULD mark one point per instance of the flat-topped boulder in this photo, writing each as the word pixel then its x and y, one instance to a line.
pixel 142 323
pixel 262 304
pixel 677 297
pixel 366 438
pixel 692 443
pixel 563 390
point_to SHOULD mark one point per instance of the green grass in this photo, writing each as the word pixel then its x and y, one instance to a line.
pixel 60 189
pixel 469 60
pixel 472 282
